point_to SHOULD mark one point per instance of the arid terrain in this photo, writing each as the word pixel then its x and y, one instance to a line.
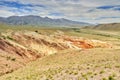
pixel 59 39
pixel 59 54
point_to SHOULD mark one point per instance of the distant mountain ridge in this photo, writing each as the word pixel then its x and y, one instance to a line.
pixel 37 20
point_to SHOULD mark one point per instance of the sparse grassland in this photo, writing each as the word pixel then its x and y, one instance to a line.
pixel 87 64
pixel 78 65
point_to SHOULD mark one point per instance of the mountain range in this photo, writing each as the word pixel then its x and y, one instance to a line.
pixel 37 20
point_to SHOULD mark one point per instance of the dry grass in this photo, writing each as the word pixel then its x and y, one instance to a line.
pixel 74 65
pixel 87 64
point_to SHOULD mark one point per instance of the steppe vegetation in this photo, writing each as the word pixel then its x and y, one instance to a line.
pixel 96 63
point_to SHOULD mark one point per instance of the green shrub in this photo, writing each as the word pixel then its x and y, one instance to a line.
pixel 102 72
pixel 111 78
pixel 104 79
pixel 8 37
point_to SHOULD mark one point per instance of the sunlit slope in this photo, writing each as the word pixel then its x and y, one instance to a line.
pixel 95 63
pixel 79 65
pixel 111 26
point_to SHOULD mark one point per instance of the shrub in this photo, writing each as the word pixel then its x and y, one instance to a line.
pixel 111 78
pixel 8 37
pixel 75 73
pixel 36 31
pixel 104 79
pixel 9 58
pixel 13 59
pixel 102 72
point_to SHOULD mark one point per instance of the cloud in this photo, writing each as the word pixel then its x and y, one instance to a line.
pixel 17 4
pixel 5 13
pixel 105 7
pixel 93 11
pixel 113 7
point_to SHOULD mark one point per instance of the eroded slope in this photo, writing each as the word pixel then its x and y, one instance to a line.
pixel 20 47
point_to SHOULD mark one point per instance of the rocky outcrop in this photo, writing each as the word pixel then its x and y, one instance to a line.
pixel 85 43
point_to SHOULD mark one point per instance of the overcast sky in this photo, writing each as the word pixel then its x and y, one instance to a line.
pixel 92 11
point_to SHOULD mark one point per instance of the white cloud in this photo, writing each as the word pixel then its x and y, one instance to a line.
pixel 72 9
pixel 5 13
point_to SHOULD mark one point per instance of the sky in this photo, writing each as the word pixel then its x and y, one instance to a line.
pixel 92 11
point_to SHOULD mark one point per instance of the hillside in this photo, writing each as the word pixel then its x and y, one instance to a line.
pixel 111 26
pixel 45 53
pixel 21 47
pixel 40 21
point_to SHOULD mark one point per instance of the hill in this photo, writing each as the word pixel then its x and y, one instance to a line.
pixel 32 53
pixel 18 47
pixel 111 26
pixel 37 20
